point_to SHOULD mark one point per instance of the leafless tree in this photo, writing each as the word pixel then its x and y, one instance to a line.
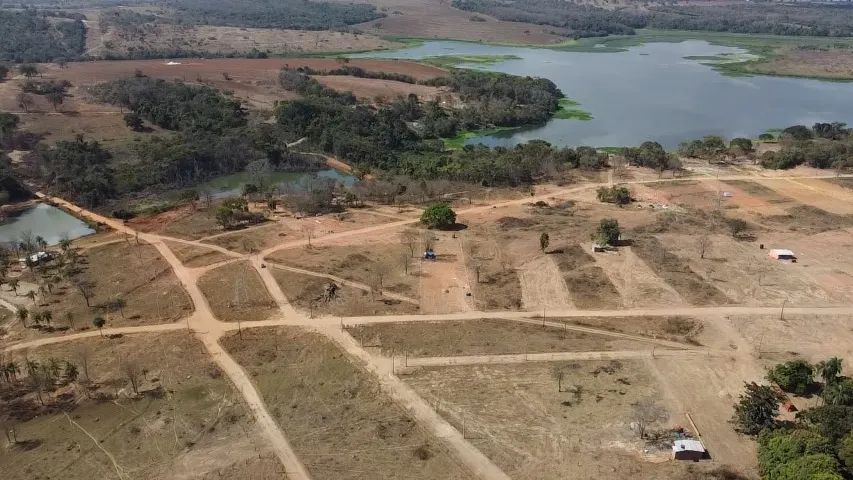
pixel 702 244
pixel 427 239
pixel 82 354
pixel 308 229
pixel 558 374
pixel 404 260
pixel 86 289
pixel 25 101
pixel 646 413
pixel 132 370
pixel 409 238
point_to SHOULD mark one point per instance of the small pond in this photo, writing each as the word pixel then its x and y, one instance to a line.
pixel 45 221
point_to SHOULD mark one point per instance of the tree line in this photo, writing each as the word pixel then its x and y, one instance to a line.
pixel 824 145
pixel 295 14
pixel 802 18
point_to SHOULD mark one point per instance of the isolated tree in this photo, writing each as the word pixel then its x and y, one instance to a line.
pixel 829 370
pixel 132 370
pixel 737 226
pixel 82 354
pixel 558 375
pixel 25 101
pixel 13 283
pixel 647 412
pixel 28 70
pixel 47 316
pixel 69 318
pixel 409 238
pixel 55 98
pixel 439 215
pixel 99 323
pixel 119 303
pixel 86 289
pixel 22 314
pixel 544 241
pixel 405 257
pixel 134 121
pixel 607 233
pixel 756 409
pixel 796 376
pixel 741 145
pixel 702 243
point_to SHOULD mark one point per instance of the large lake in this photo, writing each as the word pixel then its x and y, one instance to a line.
pixel 652 92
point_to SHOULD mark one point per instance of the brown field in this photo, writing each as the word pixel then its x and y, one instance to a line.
pixel 365 263
pixel 818 195
pixel 183 222
pixel 676 329
pixel 136 274
pixel 588 284
pixel 194 256
pixel 516 417
pixel 216 39
pixel 187 421
pixel 305 293
pixel 373 88
pixel 438 19
pixel 236 292
pixel 480 337
pixel 338 420
pixel 835 63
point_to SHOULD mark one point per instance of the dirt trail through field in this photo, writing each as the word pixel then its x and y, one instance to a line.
pixel 638 285
pixel 444 282
pixel 542 286
pixel 557 356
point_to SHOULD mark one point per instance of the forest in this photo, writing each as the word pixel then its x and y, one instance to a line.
pixel 802 18
pixel 295 14
pixel 824 145
pixel 29 36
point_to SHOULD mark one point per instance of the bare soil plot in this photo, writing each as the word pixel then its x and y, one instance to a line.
pixel 843 182
pixel 363 263
pixel 481 337
pixel 809 220
pixel 336 417
pixel 371 88
pixel 490 273
pixel 252 239
pixel 637 284
pixel 183 222
pixel 746 275
pixel 134 274
pixel 676 271
pixel 194 256
pixel 236 292
pixel 692 193
pixel 542 285
pixel 305 292
pixel 816 337
pixel 438 19
pixel 825 197
pixel 187 421
pixel 517 417
pixel 676 329
pixel 588 284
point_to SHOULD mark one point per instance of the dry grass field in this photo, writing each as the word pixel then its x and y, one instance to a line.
pixel 186 421
pixel 834 63
pixel 335 415
pixel 235 292
pixel 195 257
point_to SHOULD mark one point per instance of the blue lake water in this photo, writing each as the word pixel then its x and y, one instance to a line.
pixel 652 92
pixel 45 221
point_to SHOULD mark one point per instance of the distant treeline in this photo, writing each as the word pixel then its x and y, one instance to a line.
pixel 28 36
pixel 800 18
pixel 295 14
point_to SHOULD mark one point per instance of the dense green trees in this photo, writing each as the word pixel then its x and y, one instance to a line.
pixel 825 145
pixel 298 14
pixel 796 376
pixel 617 194
pixel 438 215
pixel 81 169
pixel 756 409
pixel 607 233
pixel 29 36
pixel 651 155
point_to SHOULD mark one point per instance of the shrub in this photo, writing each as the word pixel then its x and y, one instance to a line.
pixel 607 233
pixel 615 194
pixel 438 215
pixel 796 376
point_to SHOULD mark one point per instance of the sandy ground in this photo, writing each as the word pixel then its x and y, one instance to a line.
pixel 542 285
pixel 444 282
pixel 816 193
pixel 373 88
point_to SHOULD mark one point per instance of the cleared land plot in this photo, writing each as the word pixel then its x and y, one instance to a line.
pixel 187 420
pixel 482 337
pixel 844 182
pixel 809 220
pixel 305 292
pixel 637 284
pixel 495 285
pixel 823 197
pixel 816 336
pixel 194 256
pixel 676 271
pixel 588 284
pixel 183 222
pixel 676 329
pixel 335 415
pixel 517 417
pixel 236 292
pixel 371 88
pixel 365 263
pixel 110 274
pixel 252 239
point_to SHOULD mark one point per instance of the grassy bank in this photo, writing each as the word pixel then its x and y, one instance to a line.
pixel 458 141
pixel 570 110
pixel 447 61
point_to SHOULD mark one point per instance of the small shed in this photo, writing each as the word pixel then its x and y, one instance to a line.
pixel 688 449
pixel 782 254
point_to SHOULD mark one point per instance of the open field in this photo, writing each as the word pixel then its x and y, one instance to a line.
pixel 337 418
pixel 677 329
pixel 122 271
pixel 183 222
pixel 515 415
pixel 235 292
pixel 305 292
pixel 194 256
pixel 835 63
pixel 373 88
pixel 438 19
pixel 481 337
pixel 186 421
pixel 588 284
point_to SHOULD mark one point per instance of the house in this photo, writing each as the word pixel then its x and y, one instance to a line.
pixel 37 258
pixel 688 449
pixel 782 254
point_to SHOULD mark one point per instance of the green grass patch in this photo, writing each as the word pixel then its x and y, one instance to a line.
pixel 458 141
pixel 570 110
pixel 456 60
